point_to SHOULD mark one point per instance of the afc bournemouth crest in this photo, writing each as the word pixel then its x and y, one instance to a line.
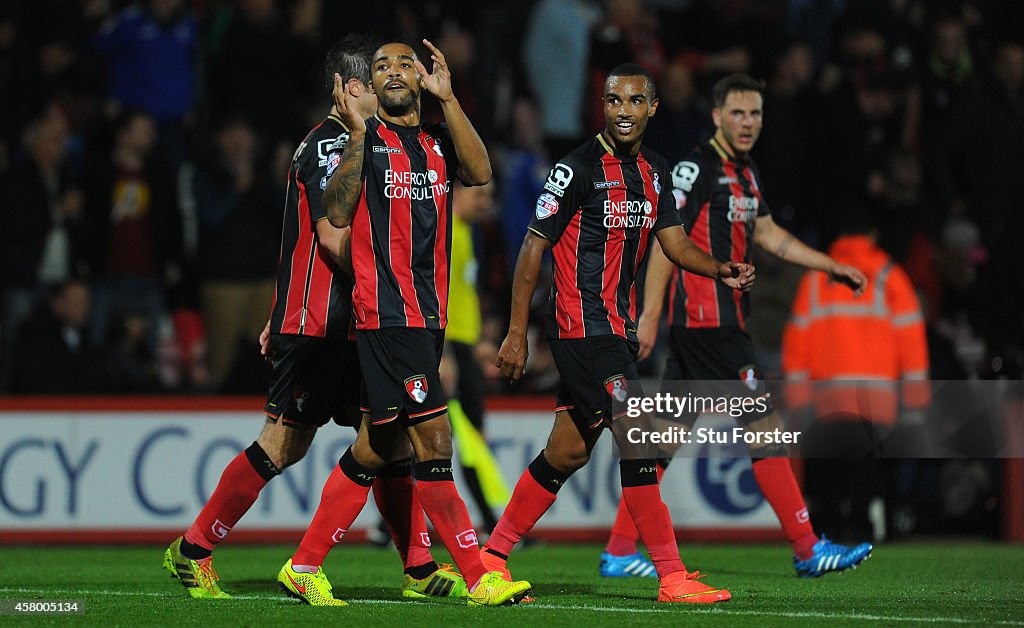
pixel 749 376
pixel 416 386
pixel 616 387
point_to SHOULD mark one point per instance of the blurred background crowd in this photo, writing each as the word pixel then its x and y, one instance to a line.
pixel 144 146
pixel 144 150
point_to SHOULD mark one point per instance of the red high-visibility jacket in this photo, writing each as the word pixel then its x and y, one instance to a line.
pixel 846 354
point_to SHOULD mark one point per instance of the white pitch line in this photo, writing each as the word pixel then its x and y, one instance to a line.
pixel 571 607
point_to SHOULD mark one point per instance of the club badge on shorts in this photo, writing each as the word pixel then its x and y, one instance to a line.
pixel 616 387
pixel 750 376
pixel 416 386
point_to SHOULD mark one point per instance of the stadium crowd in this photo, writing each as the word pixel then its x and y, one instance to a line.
pixel 144 148
pixel 144 152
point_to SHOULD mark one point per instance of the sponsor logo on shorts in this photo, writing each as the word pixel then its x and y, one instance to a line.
pixel 616 387
pixel 417 388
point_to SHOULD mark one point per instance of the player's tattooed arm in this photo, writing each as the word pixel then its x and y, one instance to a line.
pixel 785 246
pixel 341 196
pixel 780 252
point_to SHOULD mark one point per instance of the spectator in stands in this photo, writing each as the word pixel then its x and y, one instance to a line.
pixel 684 117
pixel 627 34
pixel 250 66
pixel 134 228
pixel 995 154
pixel 150 52
pixel 236 266
pixel 559 29
pixel 54 355
pixel 40 219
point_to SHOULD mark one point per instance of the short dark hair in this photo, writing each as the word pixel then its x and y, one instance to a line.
pixel 635 69
pixel 350 58
pixel 735 83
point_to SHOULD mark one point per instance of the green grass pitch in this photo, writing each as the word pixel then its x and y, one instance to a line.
pixel 902 584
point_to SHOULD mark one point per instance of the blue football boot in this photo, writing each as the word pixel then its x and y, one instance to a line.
pixel 829 556
pixel 626 566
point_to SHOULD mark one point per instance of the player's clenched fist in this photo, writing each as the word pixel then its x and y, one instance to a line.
pixel 737 276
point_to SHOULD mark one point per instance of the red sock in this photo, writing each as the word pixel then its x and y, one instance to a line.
pixel 535 491
pixel 622 540
pixel 650 515
pixel 400 507
pixel 342 499
pixel 238 488
pixel 775 477
pixel 448 513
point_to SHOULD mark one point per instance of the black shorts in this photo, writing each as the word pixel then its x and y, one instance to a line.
pixel 717 354
pixel 400 374
pixel 598 375
pixel 313 380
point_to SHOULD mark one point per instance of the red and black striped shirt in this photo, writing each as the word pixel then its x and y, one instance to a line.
pixel 720 199
pixel 600 210
pixel 401 231
pixel 311 298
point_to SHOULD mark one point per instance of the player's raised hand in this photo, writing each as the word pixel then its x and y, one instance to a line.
pixel 512 356
pixel 737 276
pixel 439 81
pixel 647 334
pixel 849 276
pixel 345 104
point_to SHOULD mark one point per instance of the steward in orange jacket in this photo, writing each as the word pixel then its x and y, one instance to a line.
pixel 845 354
